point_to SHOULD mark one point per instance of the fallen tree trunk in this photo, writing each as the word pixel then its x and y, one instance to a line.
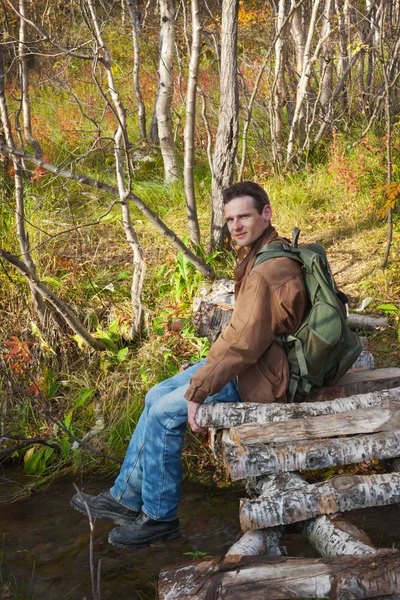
pixel 253 460
pixel 334 536
pixel 340 577
pixel 366 322
pixel 262 542
pixel 232 414
pixel 286 498
pixel 365 420
pixel 364 362
pixel 361 382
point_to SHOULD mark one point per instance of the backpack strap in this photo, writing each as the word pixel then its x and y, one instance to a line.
pixel 276 250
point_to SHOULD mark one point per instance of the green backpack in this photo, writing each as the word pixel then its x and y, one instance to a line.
pixel 324 347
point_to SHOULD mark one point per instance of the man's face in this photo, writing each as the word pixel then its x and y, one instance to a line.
pixel 244 222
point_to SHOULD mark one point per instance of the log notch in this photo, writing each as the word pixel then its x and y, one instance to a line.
pixel 231 414
pixel 366 420
pixel 253 460
pixel 286 498
pixel 340 577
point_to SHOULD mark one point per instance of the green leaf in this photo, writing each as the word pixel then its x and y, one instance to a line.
pixel 122 355
pixel 388 308
pixel 33 463
pixel 51 384
pixel 65 447
pixel 84 395
pixel 51 280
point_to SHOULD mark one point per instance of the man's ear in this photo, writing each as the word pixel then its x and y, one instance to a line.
pixel 267 212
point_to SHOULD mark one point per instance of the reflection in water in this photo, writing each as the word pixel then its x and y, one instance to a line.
pixel 46 542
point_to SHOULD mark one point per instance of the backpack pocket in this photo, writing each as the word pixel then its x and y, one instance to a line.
pixel 323 332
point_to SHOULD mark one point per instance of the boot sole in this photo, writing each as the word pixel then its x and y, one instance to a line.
pixel 118 519
pixel 173 535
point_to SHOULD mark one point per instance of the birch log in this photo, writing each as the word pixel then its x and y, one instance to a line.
pixel 284 500
pixel 366 321
pixel 261 542
pixel 340 577
pixel 334 536
pixel 259 459
pixel 360 382
pixel 366 420
pixel 234 414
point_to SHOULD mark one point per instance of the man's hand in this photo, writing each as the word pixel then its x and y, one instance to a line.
pixel 192 410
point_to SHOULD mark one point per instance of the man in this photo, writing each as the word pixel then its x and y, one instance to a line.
pixel 244 364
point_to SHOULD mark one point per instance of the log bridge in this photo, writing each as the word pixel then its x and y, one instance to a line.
pixel 355 421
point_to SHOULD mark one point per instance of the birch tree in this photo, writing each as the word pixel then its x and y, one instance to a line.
pixel 228 124
pixel 132 6
pixel 166 91
pixel 191 96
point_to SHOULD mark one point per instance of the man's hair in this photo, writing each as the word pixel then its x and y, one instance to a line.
pixel 247 188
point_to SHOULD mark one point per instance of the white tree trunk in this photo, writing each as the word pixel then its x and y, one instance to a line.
pixel 366 420
pixel 286 498
pixel 228 124
pixel 166 91
pixel 339 577
pixel 120 151
pixel 333 536
pixel 23 66
pixel 300 45
pixel 262 542
pixel 188 172
pixel 232 414
pixel 279 90
pixel 259 459
pixel 327 58
pixel 138 202
pixel 133 17
pixel 304 80
pixel 19 201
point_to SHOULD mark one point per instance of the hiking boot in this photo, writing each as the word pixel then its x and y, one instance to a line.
pixel 143 532
pixel 104 506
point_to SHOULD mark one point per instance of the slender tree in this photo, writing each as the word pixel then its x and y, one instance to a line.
pixel 191 96
pixel 166 91
pixel 228 124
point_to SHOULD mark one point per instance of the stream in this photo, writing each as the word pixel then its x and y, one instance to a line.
pixel 45 542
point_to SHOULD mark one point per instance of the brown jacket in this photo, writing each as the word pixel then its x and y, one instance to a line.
pixel 271 300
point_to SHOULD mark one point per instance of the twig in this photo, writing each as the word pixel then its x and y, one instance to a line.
pixel 91 528
pixel 83 444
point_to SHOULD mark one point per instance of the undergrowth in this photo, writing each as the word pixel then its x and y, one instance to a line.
pixel 52 379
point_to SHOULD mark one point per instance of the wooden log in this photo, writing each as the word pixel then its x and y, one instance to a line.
pixel 254 460
pixel 260 542
pixel 364 362
pixel 366 420
pixel 291 501
pixel 340 577
pixel 366 322
pixel 361 382
pixel 210 320
pixel 232 414
pixel 333 536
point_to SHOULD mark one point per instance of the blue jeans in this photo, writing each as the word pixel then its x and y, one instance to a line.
pixel 151 474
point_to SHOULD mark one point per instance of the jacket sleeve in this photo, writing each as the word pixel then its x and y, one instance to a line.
pixel 260 313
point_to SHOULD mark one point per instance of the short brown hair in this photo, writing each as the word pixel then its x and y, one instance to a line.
pixel 247 188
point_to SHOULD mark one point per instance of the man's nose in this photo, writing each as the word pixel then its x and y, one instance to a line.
pixel 237 224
